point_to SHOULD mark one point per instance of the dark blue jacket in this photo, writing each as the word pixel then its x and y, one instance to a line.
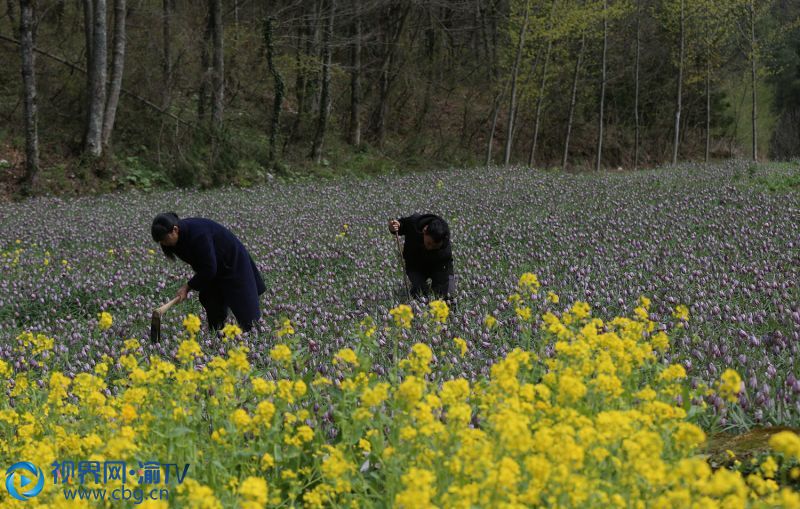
pixel 219 259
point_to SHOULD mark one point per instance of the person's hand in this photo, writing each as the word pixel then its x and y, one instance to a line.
pixel 394 225
pixel 183 293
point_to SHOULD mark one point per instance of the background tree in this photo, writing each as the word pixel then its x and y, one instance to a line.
pixel 408 85
pixel 27 22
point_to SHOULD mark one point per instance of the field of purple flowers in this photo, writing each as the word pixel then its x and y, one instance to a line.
pixel 722 240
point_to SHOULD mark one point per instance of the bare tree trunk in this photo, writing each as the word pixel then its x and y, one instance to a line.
pixel 26 37
pixel 753 75
pixel 279 88
pixel 97 91
pixel 391 38
pixel 88 28
pixel 602 87
pixel 708 107
pixel 10 12
pixel 383 104
pixel 512 106
pixel 218 79
pixel 430 70
pixel 636 84
pixel 117 70
pixel 540 98
pixel 354 134
pixel 205 65
pixel 678 99
pixel 573 100
pixel 166 57
pixel 300 86
pixel 325 94
pixel 495 111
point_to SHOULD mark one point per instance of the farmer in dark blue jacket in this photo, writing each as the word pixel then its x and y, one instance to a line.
pixel 225 275
pixel 427 253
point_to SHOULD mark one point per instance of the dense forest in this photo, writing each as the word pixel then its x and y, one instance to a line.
pixel 101 94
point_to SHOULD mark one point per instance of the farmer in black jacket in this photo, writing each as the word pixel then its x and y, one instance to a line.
pixel 225 275
pixel 427 252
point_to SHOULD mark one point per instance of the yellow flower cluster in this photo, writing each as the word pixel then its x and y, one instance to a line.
pixel 730 385
pixel 230 331
pixel 285 329
pixel 192 324
pixel 402 315
pixel 281 353
pixel 595 424
pixel 347 356
pixel 104 321
pixel 439 311
pixel 35 343
pixel 528 283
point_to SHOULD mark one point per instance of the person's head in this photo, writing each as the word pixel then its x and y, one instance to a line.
pixel 435 234
pixel 165 229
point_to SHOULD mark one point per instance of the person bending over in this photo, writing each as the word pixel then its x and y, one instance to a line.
pixel 225 275
pixel 426 252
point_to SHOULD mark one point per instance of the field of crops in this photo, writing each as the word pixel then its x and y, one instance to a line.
pixel 524 391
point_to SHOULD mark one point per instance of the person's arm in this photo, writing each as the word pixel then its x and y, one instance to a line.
pixel 400 225
pixel 205 264
pixel 406 223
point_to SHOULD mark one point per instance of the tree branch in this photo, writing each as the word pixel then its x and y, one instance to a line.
pixel 139 98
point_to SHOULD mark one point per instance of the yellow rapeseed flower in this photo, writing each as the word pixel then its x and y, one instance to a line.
pixel 461 345
pixel 786 443
pixel 281 353
pixel 104 321
pixel 681 312
pixel 254 493
pixel 192 323
pixel 439 311
pixel 419 360
pixel 402 315
pixel 285 329
pixel 346 355
pixel 188 351
pixel 230 331
pixel 730 385
pixel 528 283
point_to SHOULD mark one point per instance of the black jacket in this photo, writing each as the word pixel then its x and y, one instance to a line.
pixel 416 256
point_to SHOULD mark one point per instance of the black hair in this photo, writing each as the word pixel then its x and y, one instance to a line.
pixel 162 225
pixel 438 230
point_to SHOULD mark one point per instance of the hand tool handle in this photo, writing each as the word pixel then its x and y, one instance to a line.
pixel 163 309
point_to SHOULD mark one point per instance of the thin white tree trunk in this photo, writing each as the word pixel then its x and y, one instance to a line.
pixel 708 107
pixel 636 84
pixel 573 101
pixel 355 85
pixel 512 107
pixel 166 58
pixel 325 93
pixel 543 82
pixel 218 78
pixel 678 99
pixel 117 70
pixel 753 76
pixel 602 87
pixel 97 90
pixel 26 38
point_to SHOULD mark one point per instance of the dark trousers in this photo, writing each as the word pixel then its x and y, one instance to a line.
pixel 216 304
pixel 419 282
